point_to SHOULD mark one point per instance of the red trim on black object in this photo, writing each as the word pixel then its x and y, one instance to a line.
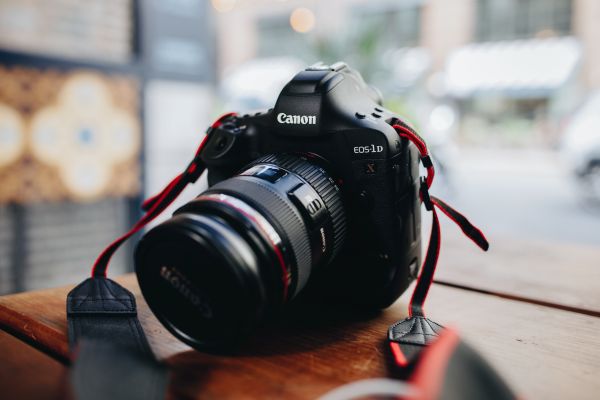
pixel 149 202
pixel 166 198
pixel 430 371
pixel 399 357
pixel 285 278
pixel 416 311
pixel 408 133
pixel 424 194
pixel 158 203
pixel 428 269
pixel 193 170
pixel 470 230
pixel 415 307
pixel 426 160
pixel 222 118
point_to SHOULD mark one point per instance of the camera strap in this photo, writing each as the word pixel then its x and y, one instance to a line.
pixel 447 369
pixel 155 205
pixel 112 358
pixel 111 355
pixel 408 337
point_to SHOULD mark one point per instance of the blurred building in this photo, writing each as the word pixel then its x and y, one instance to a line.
pixel 513 69
pixel 92 95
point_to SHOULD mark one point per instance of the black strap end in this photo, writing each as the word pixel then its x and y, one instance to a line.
pixel 101 309
pixel 410 336
pixel 99 295
pixel 480 240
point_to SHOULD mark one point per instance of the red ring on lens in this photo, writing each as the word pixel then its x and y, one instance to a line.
pixel 286 273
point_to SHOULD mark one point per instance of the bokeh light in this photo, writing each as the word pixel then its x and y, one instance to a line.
pixel 302 20
pixel 223 5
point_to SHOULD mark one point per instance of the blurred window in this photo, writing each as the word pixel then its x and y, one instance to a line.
pixel 277 38
pixel 372 29
pixel 376 30
pixel 92 30
pixel 514 19
pixel 386 27
pixel 51 244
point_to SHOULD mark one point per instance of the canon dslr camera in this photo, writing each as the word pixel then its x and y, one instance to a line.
pixel 318 195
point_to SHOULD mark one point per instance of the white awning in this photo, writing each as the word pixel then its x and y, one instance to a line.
pixel 519 68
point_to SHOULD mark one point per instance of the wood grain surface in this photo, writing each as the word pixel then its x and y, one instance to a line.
pixel 541 351
pixel 26 373
pixel 561 275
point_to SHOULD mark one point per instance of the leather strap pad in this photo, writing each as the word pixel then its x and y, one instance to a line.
pixel 113 358
pixel 101 309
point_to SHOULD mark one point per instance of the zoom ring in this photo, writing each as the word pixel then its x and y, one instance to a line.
pixel 318 178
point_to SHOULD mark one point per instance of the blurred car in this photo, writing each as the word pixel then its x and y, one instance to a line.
pixel 580 147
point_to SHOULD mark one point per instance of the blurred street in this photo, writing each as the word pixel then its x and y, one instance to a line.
pixel 521 193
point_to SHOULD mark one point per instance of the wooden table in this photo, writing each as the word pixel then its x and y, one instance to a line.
pixel 532 309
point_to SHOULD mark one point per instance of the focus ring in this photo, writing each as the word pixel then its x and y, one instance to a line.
pixel 280 213
pixel 318 178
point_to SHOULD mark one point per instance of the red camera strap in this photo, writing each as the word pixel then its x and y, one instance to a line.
pixel 112 357
pixel 407 337
pixel 158 203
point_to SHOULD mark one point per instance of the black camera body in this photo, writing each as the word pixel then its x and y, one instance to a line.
pixel 319 192
pixel 330 112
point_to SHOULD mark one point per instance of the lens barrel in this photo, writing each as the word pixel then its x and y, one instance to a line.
pixel 241 250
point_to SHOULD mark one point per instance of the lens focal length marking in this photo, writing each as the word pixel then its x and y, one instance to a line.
pixel 264 225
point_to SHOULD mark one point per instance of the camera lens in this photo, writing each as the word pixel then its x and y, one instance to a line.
pixel 241 250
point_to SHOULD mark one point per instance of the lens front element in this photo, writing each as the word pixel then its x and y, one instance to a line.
pixel 241 250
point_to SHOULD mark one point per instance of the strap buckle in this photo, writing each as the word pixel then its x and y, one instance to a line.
pixel 425 198
pixel 426 161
